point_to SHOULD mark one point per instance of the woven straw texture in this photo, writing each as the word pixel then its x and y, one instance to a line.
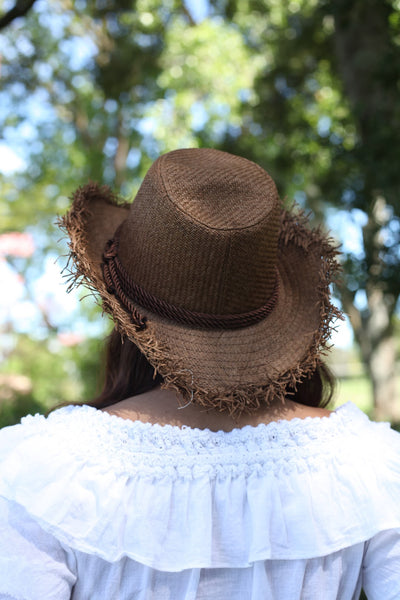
pixel 207 232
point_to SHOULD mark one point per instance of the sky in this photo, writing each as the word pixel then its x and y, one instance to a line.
pixel 10 162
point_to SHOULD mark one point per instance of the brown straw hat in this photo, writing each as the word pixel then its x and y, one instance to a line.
pixel 224 291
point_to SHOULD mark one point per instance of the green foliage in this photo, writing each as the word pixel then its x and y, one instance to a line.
pixel 96 90
pixel 12 411
pixel 202 90
pixel 52 374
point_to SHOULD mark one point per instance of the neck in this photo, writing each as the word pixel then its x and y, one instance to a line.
pixel 165 407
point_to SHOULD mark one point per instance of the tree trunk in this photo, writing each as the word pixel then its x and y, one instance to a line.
pixel 373 332
pixel 120 158
pixel 382 367
pixel 362 44
pixel 373 326
pixel 380 355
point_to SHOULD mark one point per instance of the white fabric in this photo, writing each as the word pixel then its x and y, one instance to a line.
pixel 94 506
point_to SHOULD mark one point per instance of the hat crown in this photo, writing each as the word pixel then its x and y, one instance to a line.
pixel 216 189
pixel 202 232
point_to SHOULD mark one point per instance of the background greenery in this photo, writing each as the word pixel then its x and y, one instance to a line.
pixel 98 89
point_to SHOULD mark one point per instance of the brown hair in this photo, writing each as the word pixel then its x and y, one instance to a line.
pixel 128 373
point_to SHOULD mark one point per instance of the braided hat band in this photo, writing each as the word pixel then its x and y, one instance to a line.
pixel 225 291
pixel 119 283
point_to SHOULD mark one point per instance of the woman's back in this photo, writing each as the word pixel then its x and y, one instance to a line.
pixel 232 489
pixel 147 511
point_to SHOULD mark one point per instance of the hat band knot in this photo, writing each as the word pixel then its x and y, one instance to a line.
pixel 120 284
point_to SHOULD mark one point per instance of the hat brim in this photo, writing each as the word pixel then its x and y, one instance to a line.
pixel 231 369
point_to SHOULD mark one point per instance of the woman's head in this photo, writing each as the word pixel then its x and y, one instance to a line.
pixel 224 291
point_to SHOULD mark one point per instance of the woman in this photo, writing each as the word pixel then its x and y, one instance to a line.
pixel 209 467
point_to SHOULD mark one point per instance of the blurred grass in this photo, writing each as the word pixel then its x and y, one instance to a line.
pixel 357 390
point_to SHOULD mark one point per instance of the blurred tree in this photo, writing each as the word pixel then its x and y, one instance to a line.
pixel 308 88
pixel 20 8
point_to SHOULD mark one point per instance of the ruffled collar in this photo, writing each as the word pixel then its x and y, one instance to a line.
pixel 103 423
pixel 135 447
pixel 175 498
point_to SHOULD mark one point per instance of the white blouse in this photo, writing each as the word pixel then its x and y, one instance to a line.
pixel 94 507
